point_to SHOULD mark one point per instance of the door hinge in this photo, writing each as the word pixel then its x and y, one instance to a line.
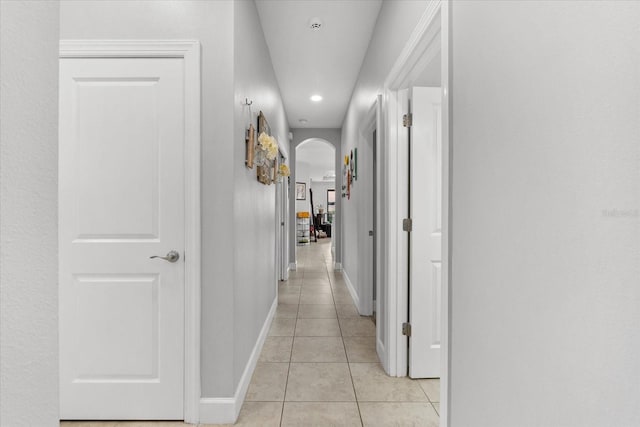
pixel 406 329
pixel 407 120
pixel 407 224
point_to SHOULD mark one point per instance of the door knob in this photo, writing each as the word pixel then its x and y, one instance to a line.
pixel 172 256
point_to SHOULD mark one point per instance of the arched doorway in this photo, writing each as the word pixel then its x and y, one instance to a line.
pixel 314 162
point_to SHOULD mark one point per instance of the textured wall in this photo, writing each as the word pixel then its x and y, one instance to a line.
pixel 28 213
pixel 211 23
pixel 546 224
pixel 395 24
pixel 254 204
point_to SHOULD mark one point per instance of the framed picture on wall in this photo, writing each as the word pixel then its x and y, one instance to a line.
pixel 331 200
pixel 301 191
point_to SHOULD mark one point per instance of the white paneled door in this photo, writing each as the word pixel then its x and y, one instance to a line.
pixel 425 283
pixel 122 201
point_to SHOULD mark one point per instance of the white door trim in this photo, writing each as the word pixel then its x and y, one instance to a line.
pixel 189 50
pixel 429 38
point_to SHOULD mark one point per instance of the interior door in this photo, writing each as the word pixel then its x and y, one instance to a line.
pixel 121 202
pixel 425 257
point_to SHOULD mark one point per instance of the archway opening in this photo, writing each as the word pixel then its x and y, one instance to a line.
pixel 315 192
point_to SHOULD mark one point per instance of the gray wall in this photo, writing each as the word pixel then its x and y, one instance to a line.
pixel 254 204
pixel 238 213
pixel 396 22
pixel 212 24
pixel 333 137
pixel 545 274
pixel 28 213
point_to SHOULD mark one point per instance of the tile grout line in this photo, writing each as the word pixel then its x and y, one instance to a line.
pixel 353 386
pixel 293 339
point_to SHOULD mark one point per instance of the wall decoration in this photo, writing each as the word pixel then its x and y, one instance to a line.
pixel 263 125
pixel 251 142
pixel 262 173
pixel 351 163
pixel 355 164
pixel 283 170
pixel 301 191
pixel 331 201
pixel 266 151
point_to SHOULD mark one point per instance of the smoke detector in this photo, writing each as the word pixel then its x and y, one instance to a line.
pixel 303 121
pixel 315 24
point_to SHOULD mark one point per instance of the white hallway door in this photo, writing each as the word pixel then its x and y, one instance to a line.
pixel 122 201
pixel 425 281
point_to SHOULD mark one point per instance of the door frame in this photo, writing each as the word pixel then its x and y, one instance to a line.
pixel 189 51
pixel 429 39
pixel 371 123
pixel 282 210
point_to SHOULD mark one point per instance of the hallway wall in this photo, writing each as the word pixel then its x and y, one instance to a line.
pixel 545 271
pixel 396 21
pixel 211 23
pixel 238 213
pixel 29 213
pixel 254 203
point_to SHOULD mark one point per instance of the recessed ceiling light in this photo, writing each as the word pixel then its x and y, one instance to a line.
pixel 316 98
pixel 303 121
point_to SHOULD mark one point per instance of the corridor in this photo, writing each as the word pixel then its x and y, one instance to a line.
pixel 319 365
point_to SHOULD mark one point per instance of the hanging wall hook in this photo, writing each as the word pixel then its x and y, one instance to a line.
pixel 247 102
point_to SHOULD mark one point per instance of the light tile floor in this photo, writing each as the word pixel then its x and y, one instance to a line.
pixel 318 366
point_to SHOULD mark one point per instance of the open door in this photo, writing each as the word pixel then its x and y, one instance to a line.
pixel 425 237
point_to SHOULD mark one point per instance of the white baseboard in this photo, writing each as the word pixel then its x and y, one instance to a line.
pixel 352 291
pixel 293 266
pixel 225 410
pixel 337 266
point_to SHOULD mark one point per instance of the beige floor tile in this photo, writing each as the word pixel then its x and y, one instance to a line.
pixel 289 290
pixel 343 292
pixel 347 310
pixel 372 384
pixel 398 414
pixel 256 414
pixel 343 299
pixel 316 282
pixel 317 414
pixel 317 328
pixel 436 406
pixel 361 349
pixel 268 382
pixel 282 327
pixel 316 273
pixel 432 388
pixel 88 424
pixel 357 327
pixel 315 289
pixel 276 349
pixel 139 424
pixel 319 382
pixel 317 311
pixel 318 349
pixel 289 298
pixel 316 299
pixel 287 311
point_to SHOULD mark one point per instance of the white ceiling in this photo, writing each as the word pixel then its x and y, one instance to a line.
pixel 325 61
